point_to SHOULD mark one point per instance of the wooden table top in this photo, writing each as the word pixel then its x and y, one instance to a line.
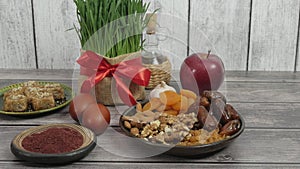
pixel 268 101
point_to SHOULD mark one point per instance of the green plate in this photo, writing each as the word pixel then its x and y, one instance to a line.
pixel 68 94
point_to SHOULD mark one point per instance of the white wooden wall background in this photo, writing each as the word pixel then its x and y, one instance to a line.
pixel 248 35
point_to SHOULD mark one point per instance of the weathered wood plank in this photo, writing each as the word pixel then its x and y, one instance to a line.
pixel 57 48
pixel 273 35
pixel 16 35
pixel 258 92
pixel 253 146
pixel 254 76
pixel 256 115
pixel 152 165
pixel 172 25
pixel 40 74
pixel 261 92
pixel 297 66
pixel 223 27
pixel 232 76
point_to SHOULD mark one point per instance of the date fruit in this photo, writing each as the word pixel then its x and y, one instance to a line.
pixel 206 120
pixel 213 95
pixel 231 128
pixel 232 113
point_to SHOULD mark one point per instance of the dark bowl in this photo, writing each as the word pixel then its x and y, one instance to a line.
pixel 176 150
pixel 89 143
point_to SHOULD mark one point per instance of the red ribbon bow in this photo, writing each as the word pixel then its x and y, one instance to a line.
pixel 97 68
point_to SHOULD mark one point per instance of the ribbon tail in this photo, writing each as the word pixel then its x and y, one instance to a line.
pixel 142 78
pixel 87 85
pixel 124 92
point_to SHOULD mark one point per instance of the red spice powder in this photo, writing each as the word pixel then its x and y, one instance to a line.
pixel 53 140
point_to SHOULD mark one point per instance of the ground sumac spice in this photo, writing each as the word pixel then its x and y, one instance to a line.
pixel 53 140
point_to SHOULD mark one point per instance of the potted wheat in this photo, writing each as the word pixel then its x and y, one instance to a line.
pixel 112 29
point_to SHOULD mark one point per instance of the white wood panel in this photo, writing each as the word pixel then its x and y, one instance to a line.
pixel 56 47
pixel 16 35
pixel 298 48
pixel 223 27
pixel 274 35
pixel 173 24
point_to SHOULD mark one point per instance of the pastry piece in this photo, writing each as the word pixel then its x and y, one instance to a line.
pixel 31 84
pixel 31 92
pixel 15 103
pixel 14 91
pixel 56 90
pixel 42 101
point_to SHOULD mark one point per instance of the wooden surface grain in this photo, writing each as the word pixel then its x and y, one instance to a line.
pixel 256 115
pixel 297 61
pixel 223 27
pixel 56 47
pixel 269 102
pixel 107 165
pixel 253 146
pixel 16 35
pixel 273 25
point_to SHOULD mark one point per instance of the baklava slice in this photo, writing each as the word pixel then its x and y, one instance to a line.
pixel 15 103
pixel 42 101
pixel 56 89
pixel 14 91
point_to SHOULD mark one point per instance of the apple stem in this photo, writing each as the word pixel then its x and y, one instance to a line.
pixel 209 52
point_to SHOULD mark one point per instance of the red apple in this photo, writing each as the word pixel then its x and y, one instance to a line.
pixel 202 71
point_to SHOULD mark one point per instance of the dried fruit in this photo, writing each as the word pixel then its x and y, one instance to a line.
pixel 206 120
pixel 171 112
pixel 190 101
pixel 231 128
pixel 213 95
pixel 153 104
pixel 147 106
pixel 139 107
pixel 204 102
pixel 188 94
pixel 184 104
pixel 169 98
pixel 231 112
pixel 159 89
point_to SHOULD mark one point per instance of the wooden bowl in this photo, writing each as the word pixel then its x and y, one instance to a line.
pixel 89 143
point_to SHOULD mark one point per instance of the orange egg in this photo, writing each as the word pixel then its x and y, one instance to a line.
pixel 79 104
pixel 96 117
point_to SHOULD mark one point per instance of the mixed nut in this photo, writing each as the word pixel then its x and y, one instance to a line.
pixel 184 119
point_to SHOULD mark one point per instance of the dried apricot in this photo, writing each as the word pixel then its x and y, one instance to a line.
pixel 171 112
pixel 168 107
pixel 169 97
pixel 161 108
pixel 147 106
pixel 139 107
pixel 188 94
pixel 183 105
pixel 176 106
pixel 190 101
pixel 155 103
